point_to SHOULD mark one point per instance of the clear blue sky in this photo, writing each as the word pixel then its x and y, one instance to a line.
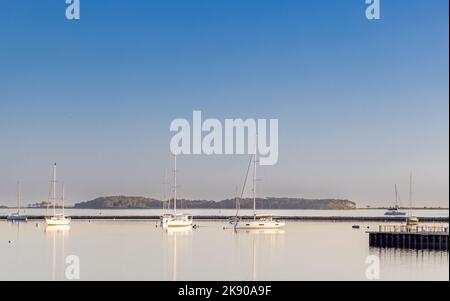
pixel 360 103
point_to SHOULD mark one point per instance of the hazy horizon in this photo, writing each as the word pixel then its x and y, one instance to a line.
pixel 360 103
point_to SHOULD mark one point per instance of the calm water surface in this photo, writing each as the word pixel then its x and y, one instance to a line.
pixel 138 250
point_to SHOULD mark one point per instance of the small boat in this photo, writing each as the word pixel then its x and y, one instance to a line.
pixel 394 211
pixel 412 221
pixel 59 219
pixel 355 227
pixel 262 221
pixel 175 219
pixel 16 216
pixel 233 220
pixel 57 228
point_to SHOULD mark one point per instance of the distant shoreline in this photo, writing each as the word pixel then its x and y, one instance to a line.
pixel 126 202
pixel 345 209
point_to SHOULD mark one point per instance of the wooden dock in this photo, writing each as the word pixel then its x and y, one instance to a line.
pixel 417 238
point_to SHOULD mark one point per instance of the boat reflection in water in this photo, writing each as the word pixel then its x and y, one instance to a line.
pixel 181 231
pixel 57 233
pixel 260 238
pixel 16 224
pixel 63 229
pixel 171 235
pixel 259 231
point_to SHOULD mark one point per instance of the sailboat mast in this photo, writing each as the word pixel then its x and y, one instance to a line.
pixel 254 186
pixel 410 193
pixel 62 198
pixel 54 189
pixel 175 183
pixel 238 204
pixel 236 200
pixel 18 198
pixel 254 180
pixel 164 192
pixel 396 196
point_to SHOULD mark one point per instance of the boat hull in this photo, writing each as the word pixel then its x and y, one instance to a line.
pixel 15 217
pixel 176 224
pixel 395 213
pixel 51 221
pixel 260 225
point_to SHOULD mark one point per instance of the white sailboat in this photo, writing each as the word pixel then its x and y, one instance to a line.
pixel 175 219
pixel 16 216
pixel 394 211
pixel 59 219
pixel 259 221
pixel 412 221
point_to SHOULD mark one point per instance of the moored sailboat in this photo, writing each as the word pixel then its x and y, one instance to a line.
pixel 394 211
pixel 259 221
pixel 16 216
pixel 412 221
pixel 175 219
pixel 57 219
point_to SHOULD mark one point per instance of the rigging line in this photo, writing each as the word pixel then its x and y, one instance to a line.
pixel 246 176
pixel 238 207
